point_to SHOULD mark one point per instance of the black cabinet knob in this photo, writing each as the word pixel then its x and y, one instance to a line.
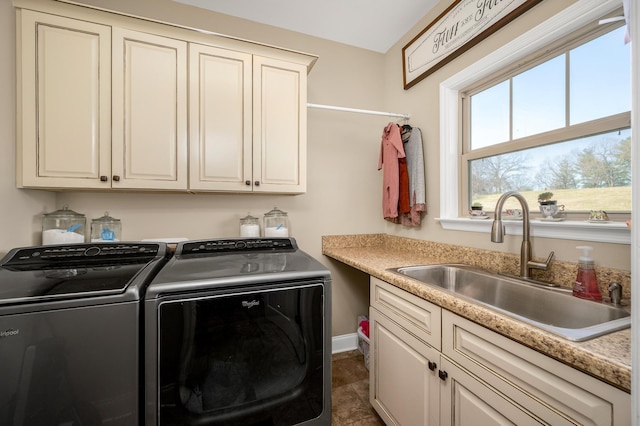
pixel 257 183
pixel 247 182
pixel 443 375
pixel 103 179
pixel 432 366
pixel 116 178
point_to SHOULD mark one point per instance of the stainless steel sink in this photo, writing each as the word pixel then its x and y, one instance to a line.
pixel 552 309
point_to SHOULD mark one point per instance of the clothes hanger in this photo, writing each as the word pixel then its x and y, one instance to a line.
pixel 405 131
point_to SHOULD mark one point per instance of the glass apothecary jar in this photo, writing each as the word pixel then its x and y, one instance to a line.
pixel 63 226
pixel 250 226
pixel 276 223
pixel 106 229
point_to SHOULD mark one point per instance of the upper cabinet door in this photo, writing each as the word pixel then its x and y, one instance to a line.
pixel 219 119
pixel 131 104
pixel 149 111
pixel 279 126
pixel 64 102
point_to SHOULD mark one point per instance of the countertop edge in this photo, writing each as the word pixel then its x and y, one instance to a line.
pixel 596 357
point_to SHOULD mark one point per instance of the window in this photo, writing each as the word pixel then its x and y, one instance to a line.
pixel 559 123
pixel 453 194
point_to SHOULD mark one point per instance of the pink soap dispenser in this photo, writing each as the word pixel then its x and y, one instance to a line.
pixel 586 285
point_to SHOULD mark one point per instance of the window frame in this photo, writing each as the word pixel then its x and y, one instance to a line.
pixel 566 133
pixel 570 20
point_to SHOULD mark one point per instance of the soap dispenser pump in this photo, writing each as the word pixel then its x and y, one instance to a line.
pixel 586 284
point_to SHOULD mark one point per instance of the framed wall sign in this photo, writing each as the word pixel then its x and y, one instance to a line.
pixel 462 25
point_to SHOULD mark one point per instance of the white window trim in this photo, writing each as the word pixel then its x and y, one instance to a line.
pixel 558 26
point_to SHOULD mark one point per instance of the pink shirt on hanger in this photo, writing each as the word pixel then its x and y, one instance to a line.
pixel 391 149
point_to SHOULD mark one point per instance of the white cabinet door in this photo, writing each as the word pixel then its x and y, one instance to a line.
pixel 404 387
pixel 64 107
pixel 149 111
pixel 467 401
pixel 220 123
pixel 524 375
pixel 279 126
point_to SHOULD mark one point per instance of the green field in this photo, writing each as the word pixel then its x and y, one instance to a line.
pixel 609 199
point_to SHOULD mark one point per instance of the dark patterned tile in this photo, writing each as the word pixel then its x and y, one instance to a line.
pixel 349 370
pixel 347 354
pixel 362 389
pixel 345 398
pixel 350 392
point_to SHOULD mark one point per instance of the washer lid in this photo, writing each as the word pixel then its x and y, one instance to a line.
pixel 234 262
pixel 71 271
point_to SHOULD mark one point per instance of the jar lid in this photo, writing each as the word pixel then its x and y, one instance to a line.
pixel 249 218
pixel 64 212
pixel 106 219
pixel 275 212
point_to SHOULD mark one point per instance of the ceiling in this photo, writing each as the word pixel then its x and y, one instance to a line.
pixel 368 24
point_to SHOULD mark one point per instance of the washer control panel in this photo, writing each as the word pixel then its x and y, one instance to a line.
pixel 236 245
pixel 58 254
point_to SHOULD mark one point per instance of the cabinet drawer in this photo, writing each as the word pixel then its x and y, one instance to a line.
pixel 416 315
pixel 522 373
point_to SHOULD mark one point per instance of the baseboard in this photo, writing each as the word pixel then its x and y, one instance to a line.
pixel 344 343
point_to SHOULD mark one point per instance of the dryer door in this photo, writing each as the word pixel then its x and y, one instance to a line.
pixel 247 357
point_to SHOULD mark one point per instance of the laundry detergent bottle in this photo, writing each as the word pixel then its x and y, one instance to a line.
pixel 586 285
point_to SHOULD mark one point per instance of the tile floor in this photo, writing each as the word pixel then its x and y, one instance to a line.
pixel 350 392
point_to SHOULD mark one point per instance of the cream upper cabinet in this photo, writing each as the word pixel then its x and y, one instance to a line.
pixel 149 111
pixel 247 122
pixel 220 138
pixel 107 101
pixel 64 102
pixel 279 126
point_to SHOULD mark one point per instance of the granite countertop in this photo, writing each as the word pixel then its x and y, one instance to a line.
pixel 607 358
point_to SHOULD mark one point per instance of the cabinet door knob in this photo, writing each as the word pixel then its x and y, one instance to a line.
pixel 247 182
pixel 257 183
pixel 443 375
pixel 116 178
pixel 103 179
pixel 432 366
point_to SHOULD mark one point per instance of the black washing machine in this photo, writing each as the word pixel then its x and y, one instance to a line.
pixel 238 332
pixel 70 333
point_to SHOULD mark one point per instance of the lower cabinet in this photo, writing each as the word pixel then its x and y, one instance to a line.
pixel 404 387
pixel 472 376
pixel 467 400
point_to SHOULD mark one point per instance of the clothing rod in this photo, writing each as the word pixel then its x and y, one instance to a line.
pixel 360 111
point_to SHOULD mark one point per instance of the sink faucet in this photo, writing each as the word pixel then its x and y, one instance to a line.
pixel 497 235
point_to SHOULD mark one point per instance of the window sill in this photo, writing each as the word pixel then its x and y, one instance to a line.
pixel 610 232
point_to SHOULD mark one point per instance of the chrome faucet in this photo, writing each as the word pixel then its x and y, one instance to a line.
pixel 497 235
